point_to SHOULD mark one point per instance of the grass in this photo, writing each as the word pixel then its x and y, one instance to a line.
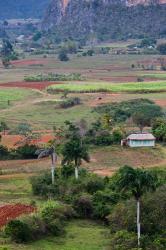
pixel 45 114
pixel 161 76
pixel 8 96
pixel 110 87
pixel 81 235
pixel 15 190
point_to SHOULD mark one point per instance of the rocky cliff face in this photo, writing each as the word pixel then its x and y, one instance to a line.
pixel 105 19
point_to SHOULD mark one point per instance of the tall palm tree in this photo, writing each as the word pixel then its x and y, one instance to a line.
pixel 50 151
pixel 74 150
pixel 138 182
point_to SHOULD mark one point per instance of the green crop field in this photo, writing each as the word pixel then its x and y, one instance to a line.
pixel 110 87
pixel 8 96
pixel 161 76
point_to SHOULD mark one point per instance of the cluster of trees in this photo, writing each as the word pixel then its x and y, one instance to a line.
pixel 7 53
pixel 142 112
pixel 110 200
pixel 22 152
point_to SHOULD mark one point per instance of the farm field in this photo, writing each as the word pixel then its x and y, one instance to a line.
pixel 106 79
pixel 110 87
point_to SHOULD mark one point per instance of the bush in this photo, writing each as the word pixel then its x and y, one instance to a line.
pixel 83 206
pixel 63 56
pixel 103 202
pixel 68 103
pixel 162 48
pixel 18 231
pixel 4 153
pixel 123 216
pixel 27 152
pixel 123 240
pixel 117 135
pixel 67 171
pixel 93 184
pixel 37 226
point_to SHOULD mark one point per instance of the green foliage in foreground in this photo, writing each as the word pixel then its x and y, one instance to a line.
pixel 86 87
pixel 49 221
pixel 54 77
pixel 80 234
pixel 96 198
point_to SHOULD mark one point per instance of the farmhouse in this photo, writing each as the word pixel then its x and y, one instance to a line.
pixel 141 140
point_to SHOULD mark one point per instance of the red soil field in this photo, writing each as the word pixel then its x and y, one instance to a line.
pixel 29 62
pixel 14 141
pixel 10 212
pixel 161 103
pixel 29 85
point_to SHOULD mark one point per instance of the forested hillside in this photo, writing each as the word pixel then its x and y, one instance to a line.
pixel 22 9
pixel 105 19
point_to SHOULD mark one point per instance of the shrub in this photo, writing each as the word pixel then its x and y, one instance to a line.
pixel 63 56
pixel 68 103
pixel 27 152
pixel 162 48
pixel 140 79
pixel 4 153
pixel 93 184
pixel 117 135
pixel 67 171
pixel 103 201
pixel 18 231
pixel 123 240
pixel 123 216
pixel 83 205
pixel 36 225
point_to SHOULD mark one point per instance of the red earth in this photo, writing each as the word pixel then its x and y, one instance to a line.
pixel 15 141
pixel 10 212
pixel 29 62
pixel 161 103
pixel 29 85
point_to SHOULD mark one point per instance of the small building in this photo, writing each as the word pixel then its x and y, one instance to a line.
pixel 141 140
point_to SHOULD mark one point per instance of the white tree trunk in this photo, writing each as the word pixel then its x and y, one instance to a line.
pixel 76 173
pixel 53 159
pixel 138 223
pixel 53 173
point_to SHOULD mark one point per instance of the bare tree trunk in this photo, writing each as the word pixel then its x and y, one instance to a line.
pixel 76 172
pixel 138 222
pixel 53 158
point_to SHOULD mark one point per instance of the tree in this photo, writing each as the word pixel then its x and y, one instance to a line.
pixel 162 48
pixel 138 182
pixel 146 42
pixel 63 56
pixel 159 129
pixel 50 151
pixel 145 114
pixel 24 129
pixel 6 52
pixel 74 149
pixel 3 127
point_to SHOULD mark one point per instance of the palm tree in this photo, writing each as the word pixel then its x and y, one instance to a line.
pixel 42 153
pixel 138 182
pixel 74 150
